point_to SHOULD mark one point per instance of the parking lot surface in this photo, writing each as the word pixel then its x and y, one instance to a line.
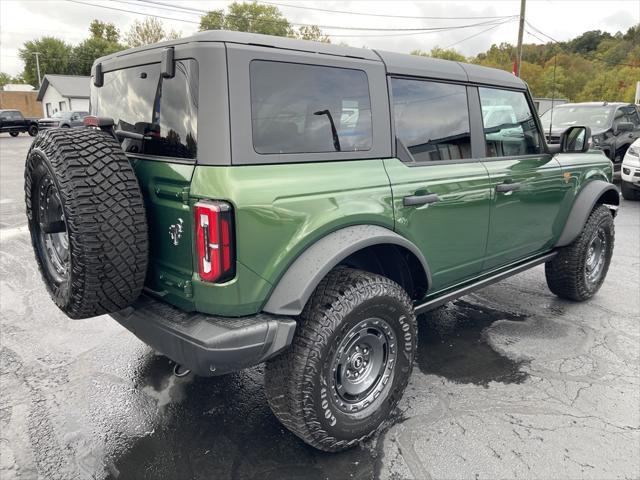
pixel 510 382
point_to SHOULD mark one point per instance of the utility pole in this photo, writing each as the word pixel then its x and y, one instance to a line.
pixel 37 54
pixel 520 33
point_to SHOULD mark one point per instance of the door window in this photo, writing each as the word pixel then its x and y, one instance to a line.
pixel 298 108
pixel 509 124
pixel 432 119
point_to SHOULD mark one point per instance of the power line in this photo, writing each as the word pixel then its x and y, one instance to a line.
pixel 328 27
pixel 477 34
pixel 382 14
pixel 130 11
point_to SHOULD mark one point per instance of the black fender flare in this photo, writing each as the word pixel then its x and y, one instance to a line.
pixel 583 204
pixel 302 277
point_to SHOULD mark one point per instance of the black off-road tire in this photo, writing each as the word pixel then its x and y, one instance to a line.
pixel 566 272
pixel 103 218
pixel 629 192
pixel 298 382
pixel 33 130
pixel 14 134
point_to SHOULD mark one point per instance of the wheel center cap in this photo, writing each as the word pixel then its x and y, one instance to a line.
pixel 357 361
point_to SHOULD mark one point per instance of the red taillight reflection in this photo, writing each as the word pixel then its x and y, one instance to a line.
pixel 214 241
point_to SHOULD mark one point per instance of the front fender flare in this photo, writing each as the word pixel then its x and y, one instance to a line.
pixel 582 207
pixel 292 291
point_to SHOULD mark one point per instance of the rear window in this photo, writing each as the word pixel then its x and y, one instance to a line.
pixel 165 110
pixel 298 108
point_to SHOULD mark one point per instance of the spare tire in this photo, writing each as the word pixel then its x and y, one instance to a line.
pixel 87 221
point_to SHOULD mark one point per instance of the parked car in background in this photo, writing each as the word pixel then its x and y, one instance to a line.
pixel 70 119
pixel 614 126
pixel 544 104
pixel 13 122
pixel 630 173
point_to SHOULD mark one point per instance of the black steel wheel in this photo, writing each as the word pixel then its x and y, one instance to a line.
pixel 33 130
pixel 51 239
pixel 349 363
pixel 14 134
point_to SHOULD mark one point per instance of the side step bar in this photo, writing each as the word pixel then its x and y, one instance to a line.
pixel 483 282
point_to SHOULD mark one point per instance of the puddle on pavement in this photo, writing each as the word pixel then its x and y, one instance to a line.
pixel 452 344
pixel 222 427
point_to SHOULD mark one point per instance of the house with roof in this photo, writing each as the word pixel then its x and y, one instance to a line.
pixel 61 93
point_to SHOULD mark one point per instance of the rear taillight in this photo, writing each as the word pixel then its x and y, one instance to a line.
pixel 214 241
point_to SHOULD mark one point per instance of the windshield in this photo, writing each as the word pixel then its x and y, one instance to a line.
pixel 596 116
pixel 57 115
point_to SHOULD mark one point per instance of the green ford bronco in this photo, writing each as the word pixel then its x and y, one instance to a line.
pixel 239 198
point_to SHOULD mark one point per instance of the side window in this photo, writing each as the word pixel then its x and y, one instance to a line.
pixel 298 108
pixel 165 110
pixel 509 125
pixel 432 119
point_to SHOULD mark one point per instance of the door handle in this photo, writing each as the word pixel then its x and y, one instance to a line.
pixel 413 200
pixel 507 187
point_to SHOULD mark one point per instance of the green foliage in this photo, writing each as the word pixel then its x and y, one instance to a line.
pixel 248 17
pixel 88 51
pixel 5 78
pixel 257 18
pixel 105 31
pixel 55 57
pixel 312 32
pixel 150 30
pixel 594 66
pixel 445 54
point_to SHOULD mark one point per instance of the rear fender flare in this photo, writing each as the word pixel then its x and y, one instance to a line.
pixel 302 277
pixel 596 191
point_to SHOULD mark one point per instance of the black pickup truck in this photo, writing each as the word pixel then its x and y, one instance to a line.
pixel 13 122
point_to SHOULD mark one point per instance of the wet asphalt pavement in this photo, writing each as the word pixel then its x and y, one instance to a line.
pixel 510 382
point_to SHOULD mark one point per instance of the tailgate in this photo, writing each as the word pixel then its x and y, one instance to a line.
pixel 165 187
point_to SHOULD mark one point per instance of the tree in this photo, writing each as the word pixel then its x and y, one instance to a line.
pixel 312 32
pixel 445 54
pixel 150 30
pixel 5 78
pixel 248 17
pixel 88 51
pixel 55 57
pixel 105 31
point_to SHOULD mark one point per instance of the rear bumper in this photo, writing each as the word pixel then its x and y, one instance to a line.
pixel 205 344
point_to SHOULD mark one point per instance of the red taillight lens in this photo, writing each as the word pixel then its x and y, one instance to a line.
pixel 214 241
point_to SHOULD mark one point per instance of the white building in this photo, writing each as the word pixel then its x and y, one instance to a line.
pixel 17 87
pixel 62 93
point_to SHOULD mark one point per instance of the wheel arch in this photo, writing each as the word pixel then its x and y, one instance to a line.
pixel 596 192
pixel 368 247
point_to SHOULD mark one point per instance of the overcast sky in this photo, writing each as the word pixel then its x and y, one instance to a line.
pixel 22 20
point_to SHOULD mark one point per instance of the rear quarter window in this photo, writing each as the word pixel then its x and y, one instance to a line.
pixel 300 108
pixel 165 110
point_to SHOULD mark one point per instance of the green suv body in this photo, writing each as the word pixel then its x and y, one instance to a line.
pixel 303 202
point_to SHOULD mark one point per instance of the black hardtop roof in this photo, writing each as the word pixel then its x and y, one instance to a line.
pixel 396 63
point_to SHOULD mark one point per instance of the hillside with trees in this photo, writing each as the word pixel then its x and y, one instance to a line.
pixel 593 66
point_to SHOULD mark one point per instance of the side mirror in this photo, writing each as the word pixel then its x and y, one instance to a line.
pixel 624 127
pixel 575 140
